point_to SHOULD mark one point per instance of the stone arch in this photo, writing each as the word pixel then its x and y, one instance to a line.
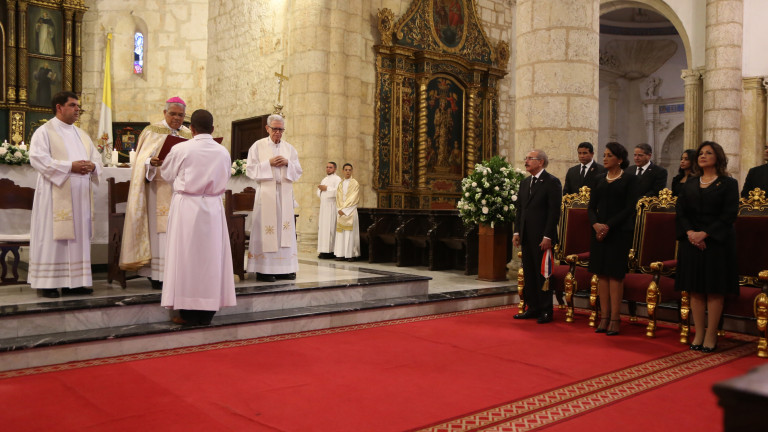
pixel 658 6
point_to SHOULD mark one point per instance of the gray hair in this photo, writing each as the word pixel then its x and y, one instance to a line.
pixel 275 117
pixel 542 157
pixel 168 106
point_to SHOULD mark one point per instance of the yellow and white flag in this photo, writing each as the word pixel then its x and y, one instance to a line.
pixel 105 121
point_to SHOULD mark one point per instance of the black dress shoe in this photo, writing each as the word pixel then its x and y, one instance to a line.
pixel 339 258
pixel 529 314
pixel 351 259
pixel 708 350
pixel 545 317
pixel 76 291
pixel 48 293
pixel 265 277
pixel 286 276
pixel 156 284
pixel 695 347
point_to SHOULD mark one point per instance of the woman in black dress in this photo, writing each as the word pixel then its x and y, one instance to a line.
pixel 687 161
pixel 611 211
pixel 706 256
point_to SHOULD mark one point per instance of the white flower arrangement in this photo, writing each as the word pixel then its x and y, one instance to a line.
pixel 238 167
pixel 490 192
pixel 13 155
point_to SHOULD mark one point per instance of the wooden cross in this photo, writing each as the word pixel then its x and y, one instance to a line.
pixel 280 79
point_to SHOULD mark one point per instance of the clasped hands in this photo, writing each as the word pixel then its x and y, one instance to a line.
pixel 156 162
pixel 696 238
pixel 601 230
pixel 83 167
pixel 278 161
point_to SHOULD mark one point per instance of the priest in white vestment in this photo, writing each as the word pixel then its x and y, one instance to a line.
pixel 198 279
pixel 347 224
pixel 274 164
pixel 149 198
pixel 68 167
pixel 326 220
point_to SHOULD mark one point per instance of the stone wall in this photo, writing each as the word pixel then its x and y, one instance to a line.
pixel 176 33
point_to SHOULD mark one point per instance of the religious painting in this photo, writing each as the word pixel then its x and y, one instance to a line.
pixel 44 81
pixel 45 32
pixel 448 22
pixel 126 137
pixel 445 127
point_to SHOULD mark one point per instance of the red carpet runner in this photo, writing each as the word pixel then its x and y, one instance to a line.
pixel 480 368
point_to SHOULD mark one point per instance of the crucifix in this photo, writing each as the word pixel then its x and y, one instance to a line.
pixel 280 79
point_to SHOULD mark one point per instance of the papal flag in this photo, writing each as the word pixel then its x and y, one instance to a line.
pixel 105 121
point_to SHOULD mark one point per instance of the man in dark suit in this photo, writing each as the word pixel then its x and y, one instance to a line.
pixel 538 211
pixel 585 173
pixel 757 177
pixel 652 178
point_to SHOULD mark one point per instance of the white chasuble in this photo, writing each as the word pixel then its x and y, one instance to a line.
pixel 326 220
pixel 198 262
pixel 272 248
pixel 58 257
pixel 347 225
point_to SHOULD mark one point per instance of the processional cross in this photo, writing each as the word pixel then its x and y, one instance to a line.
pixel 280 79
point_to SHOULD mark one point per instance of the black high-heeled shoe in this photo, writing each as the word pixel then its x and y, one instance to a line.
pixel 612 332
pixel 708 350
pixel 696 347
pixel 602 329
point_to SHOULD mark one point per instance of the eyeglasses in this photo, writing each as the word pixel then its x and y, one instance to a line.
pixel 281 130
pixel 527 158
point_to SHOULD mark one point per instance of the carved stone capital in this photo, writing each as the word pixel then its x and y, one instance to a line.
pixel 691 76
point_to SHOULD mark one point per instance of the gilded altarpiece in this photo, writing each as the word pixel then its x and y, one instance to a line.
pixel 436 115
pixel 42 55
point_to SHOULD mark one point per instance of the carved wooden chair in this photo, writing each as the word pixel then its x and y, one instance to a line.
pixel 16 197
pixel 452 243
pixel 366 218
pixel 412 238
pixel 235 206
pixel 117 193
pixel 652 259
pixel 382 243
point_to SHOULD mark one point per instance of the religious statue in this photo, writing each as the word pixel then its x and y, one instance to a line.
pixel 652 87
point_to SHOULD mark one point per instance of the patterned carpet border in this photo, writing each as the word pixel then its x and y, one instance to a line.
pixel 237 343
pixel 579 398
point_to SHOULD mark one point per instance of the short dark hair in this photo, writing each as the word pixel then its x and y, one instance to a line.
pixel 620 152
pixel 61 98
pixel 333 163
pixel 588 146
pixel 721 165
pixel 345 165
pixel 646 148
pixel 202 121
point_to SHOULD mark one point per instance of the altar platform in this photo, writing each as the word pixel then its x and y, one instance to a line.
pixel 36 331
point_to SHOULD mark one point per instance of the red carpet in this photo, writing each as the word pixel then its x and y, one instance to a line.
pixel 394 376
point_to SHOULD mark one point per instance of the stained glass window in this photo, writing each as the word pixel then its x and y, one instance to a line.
pixel 138 53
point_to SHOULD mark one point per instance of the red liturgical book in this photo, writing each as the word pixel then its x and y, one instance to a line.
pixel 172 140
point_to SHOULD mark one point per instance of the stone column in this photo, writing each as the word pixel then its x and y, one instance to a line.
pixel 752 124
pixel 693 89
pixel 613 96
pixel 557 78
pixel 722 79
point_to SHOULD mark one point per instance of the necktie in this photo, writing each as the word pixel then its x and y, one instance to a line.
pixel 533 182
pixel 583 170
pixel 639 171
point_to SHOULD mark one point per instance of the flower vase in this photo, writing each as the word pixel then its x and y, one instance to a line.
pixel 492 256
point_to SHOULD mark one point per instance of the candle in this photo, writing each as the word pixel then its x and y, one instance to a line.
pixel 132 157
pixel 113 157
pixel 23 146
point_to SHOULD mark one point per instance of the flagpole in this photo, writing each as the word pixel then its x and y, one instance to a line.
pixel 105 120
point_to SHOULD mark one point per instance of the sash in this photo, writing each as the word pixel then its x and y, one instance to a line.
pixel 135 250
pixel 268 201
pixel 63 218
pixel 347 222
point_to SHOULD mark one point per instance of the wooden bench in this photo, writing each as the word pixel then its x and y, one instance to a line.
pixel 452 244
pixel 411 238
pixel 382 243
pixel 13 197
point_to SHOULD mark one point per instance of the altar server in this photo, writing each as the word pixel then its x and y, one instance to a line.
pixel 326 219
pixel 198 279
pixel 274 164
pixel 348 224
pixel 68 167
pixel 149 198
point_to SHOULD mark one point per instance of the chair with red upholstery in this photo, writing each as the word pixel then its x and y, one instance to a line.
pixel 654 241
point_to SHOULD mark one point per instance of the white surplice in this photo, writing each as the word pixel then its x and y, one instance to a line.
pixel 286 259
pixel 198 265
pixel 60 263
pixel 326 220
pixel 348 242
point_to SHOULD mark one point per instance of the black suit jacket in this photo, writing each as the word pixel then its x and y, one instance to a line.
pixel 653 180
pixel 574 181
pixel 757 177
pixel 539 212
